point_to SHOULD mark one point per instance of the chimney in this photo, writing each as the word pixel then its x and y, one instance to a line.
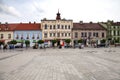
pixel 6 23
pixel 34 22
pixel 29 22
pixel 81 22
pixel 91 22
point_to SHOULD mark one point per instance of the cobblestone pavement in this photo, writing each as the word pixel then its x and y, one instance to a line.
pixel 60 64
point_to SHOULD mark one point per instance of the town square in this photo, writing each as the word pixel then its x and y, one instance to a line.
pixel 60 64
pixel 59 39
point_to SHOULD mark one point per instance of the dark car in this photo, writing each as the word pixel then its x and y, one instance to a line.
pixel 101 45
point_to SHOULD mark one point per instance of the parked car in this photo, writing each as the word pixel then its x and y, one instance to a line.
pixel 101 45
pixel 18 45
pixel 76 46
pixel 11 46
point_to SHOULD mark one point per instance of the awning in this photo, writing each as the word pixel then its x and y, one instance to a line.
pixel 34 41
pixel 20 41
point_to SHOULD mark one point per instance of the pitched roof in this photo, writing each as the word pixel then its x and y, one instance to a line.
pixel 6 27
pixel 87 26
pixel 23 26
pixel 116 24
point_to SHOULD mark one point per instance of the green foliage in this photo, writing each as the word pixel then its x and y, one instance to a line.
pixel 40 41
pixel 54 41
pixel 13 42
pixel 1 42
pixel 27 42
pixel 80 41
pixel 67 41
pixel 103 41
pixel 117 40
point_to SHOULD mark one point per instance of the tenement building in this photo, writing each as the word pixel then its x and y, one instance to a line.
pixel 87 32
pixel 57 29
pixel 6 32
pixel 27 31
pixel 113 30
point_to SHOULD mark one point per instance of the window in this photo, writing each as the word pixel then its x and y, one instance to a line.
pixel 58 26
pixel 117 32
pixel 54 27
pixel 38 36
pixel 69 34
pixel 27 36
pixel 65 26
pixel 22 36
pixel 45 26
pixel 69 27
pixel 9 36
pixel 114 33
pixel 33 37
pixel 82 34
pixel 1 36
pixel 58 34
pixel 89 34
pixel 65 34
pixel 50 26
pixel 54 34
pixel 103 35
pixel 85 34
pixel 45 35
pixel 17 37
pixel 62 27
pixel 96 34
pixel 50 34
pixel 76 35
pixel 114 27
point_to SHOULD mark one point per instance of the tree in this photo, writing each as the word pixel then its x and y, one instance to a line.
pixel 117 40
pixel 40 41
pixel 67 41
pixel 53 42
pixel 80 41
pixel 103 41
pixel 27 43
pixel 13 42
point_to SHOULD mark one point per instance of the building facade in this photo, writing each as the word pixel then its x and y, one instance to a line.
pixel 59 29
pixel 6 32
pixel 28 31
pixel 87 32
pixel 113 30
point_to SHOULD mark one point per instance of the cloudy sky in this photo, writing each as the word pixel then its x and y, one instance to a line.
pixel 13 11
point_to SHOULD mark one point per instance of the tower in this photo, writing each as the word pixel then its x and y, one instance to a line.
pixel 58 16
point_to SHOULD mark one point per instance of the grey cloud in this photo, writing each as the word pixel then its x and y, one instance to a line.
pixel 9 10
pixel 37 7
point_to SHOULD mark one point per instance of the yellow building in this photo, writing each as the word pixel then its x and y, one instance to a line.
pixel 6 32
pixel 59 29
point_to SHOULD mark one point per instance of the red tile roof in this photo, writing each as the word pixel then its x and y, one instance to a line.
pixel 22 26
pixel 4 27
pixel 87 26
